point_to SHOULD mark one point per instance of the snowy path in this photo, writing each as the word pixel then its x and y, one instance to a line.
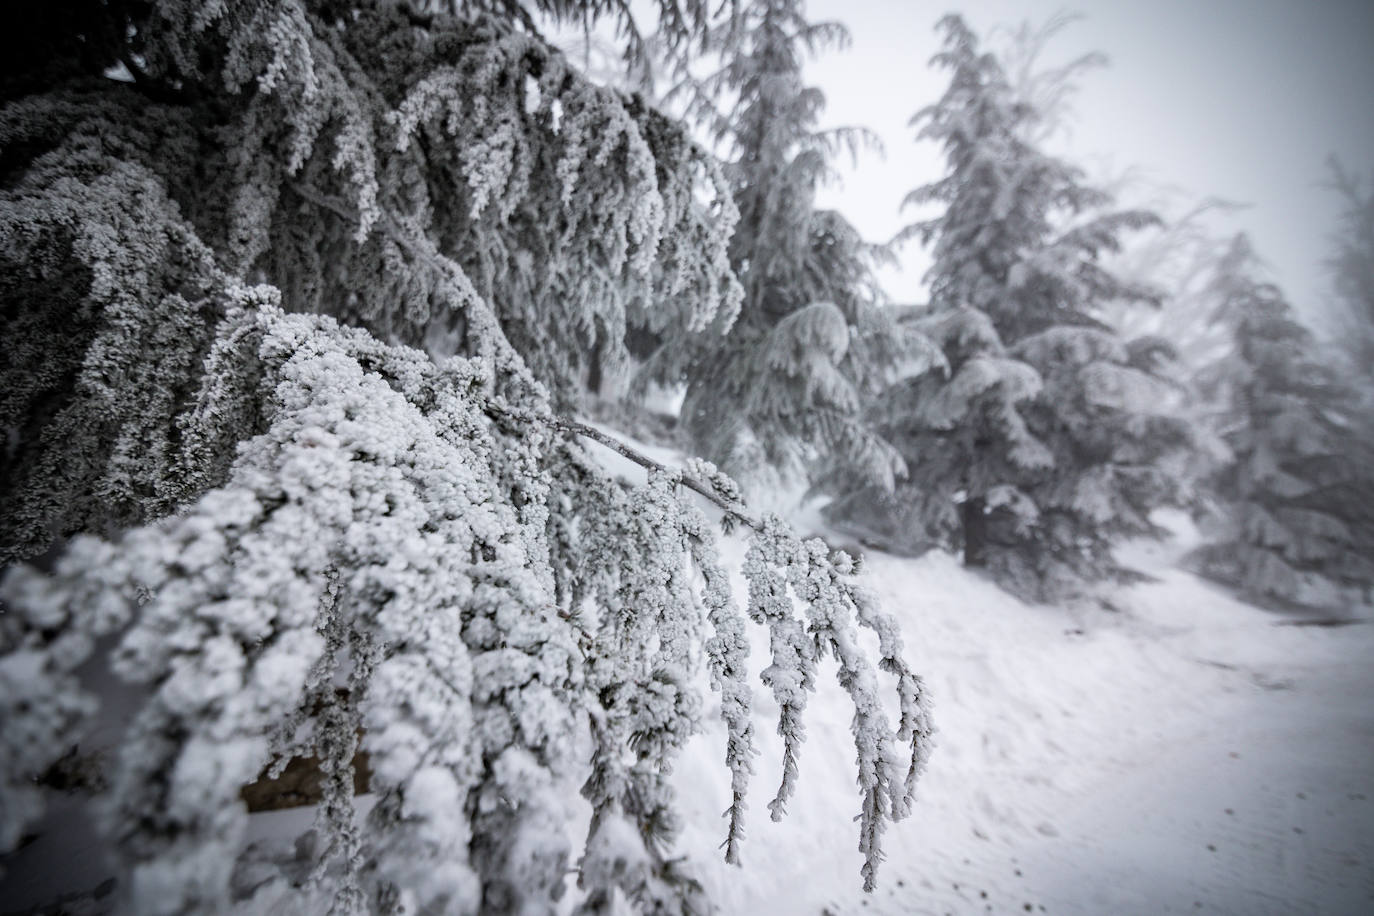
pixel 1271 810
pixel 1181 753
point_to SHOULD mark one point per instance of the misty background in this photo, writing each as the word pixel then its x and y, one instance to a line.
pixel 1238 99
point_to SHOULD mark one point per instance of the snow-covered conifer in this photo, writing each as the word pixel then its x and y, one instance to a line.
pixel 1041 441
pixel 1351 266
pixel 785 387
pixel 962 427
pixel 244 490
pixel 1296 515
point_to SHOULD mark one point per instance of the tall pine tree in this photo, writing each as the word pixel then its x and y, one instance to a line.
pixel 785 387
pixel 1296 517
pixel 1044 443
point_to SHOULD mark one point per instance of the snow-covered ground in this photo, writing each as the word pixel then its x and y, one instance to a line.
pixel 1177 751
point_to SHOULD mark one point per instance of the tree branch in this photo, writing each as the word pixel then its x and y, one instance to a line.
pixel 480 314
pixel 423 250
pixel 733 510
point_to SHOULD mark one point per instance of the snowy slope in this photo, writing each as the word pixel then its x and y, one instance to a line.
pixel 1176 752
pixel 1180 752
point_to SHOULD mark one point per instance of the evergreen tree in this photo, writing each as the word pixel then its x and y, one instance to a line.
pixel 1351 267
pixel 784 388
pixel 1180 259
pixel 961 425
pixel 1352 273
pixel 1047 430
pixel 241 490
pixel 1297 517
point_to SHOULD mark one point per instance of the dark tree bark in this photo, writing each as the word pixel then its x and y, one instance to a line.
pixel 594 367
pixel 975 524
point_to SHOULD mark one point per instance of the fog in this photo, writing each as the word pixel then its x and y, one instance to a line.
pixel 1238 99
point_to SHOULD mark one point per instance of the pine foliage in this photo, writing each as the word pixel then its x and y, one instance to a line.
pixel 246 491
pixel 785 387
pixel 1295 501
pixel 962 426
pixel 1019 234
pixel 1179 258
pixel 1110 415
pixel 1043 439
pixel 1351 266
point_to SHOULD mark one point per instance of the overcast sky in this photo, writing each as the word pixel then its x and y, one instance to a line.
pixel 1241 99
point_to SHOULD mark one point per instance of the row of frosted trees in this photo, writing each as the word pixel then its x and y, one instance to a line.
pixel 300 302
pixel 1024 416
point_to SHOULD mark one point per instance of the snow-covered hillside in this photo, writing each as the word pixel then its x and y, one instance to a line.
pixel 1167 750
pixel 1177 751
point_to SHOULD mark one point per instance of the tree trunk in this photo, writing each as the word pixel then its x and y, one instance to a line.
pixel 594 366
pixel 975 523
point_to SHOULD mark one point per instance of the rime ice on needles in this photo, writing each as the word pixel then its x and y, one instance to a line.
pixel 779 566
pixel 302 537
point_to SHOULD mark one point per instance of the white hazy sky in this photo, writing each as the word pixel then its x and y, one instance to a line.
pixel 1240 99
